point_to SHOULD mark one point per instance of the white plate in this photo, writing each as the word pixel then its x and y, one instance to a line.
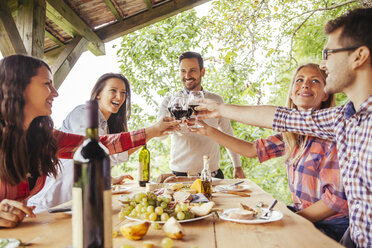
pixel 118 189
pixel 180 221
pixel 236 188
pixel 10 243
pixel 275 216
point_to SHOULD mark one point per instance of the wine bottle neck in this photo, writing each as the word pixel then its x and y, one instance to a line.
pixel 91 133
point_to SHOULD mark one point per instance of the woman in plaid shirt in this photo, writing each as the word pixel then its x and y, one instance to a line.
pixel 29 146
pixel 312 163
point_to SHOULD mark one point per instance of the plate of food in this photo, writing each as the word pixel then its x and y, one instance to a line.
pixel 119 189
pixel 9 243
pixel 236 188
pixel 249 217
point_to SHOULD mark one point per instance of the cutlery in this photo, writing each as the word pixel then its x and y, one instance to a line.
pixel 235 193
pixel 234 184
pixel 267 212
pixel 59 210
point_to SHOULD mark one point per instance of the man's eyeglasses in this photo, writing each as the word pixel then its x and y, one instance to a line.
pixel 327 52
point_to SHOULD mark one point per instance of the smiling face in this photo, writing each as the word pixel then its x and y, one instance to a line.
pixel 112 96
pixel 339 75
pixel 191 74
pixel 308 89
pixel 39 95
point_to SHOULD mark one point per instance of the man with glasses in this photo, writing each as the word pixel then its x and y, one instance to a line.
pixel 347 62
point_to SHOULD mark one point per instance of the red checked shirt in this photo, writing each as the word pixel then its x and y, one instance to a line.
pixel 314 176
pixel 67 145
pixel 352 132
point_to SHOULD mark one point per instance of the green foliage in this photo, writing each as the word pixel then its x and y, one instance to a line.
pixel 250 49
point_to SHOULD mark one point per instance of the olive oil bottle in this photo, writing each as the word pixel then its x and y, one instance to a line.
pixel 144 166
pixel 206 178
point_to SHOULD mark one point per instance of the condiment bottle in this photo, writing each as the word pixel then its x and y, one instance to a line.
pixel 206 178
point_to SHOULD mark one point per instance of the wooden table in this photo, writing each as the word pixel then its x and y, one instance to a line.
pixel 54 230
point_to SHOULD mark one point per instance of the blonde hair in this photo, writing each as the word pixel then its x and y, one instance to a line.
pixel 293 140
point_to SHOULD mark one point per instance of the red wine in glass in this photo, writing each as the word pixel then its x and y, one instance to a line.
pixel 178 113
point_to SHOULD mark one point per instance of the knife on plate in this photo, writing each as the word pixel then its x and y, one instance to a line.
pixel 59 210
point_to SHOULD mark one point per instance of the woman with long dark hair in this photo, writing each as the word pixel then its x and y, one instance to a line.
pixel 29 146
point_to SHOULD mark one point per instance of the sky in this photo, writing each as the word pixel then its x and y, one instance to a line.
pixel 76 88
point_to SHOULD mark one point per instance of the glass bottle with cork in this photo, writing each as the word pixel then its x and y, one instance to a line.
pixel 144 166
pixel 206 178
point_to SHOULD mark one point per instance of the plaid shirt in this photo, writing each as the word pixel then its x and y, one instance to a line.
pixel 67 144
pixel 314 176
pixel 352 131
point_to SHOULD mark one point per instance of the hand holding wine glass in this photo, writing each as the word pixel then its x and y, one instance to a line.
pixel 195 98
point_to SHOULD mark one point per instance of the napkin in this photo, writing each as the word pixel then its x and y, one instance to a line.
pixel 196 198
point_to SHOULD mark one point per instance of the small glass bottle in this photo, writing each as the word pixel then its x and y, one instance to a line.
pixel 144 166
pixel 206 178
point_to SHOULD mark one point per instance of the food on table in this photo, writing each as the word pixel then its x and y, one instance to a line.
pixel 203 209
pixel 182 196
pixel 135 230
pixel 176 187
pixel 167 243
pixel 149 206
pixel 242 215
pixel 173 229
pixel 197 185
pixel 175 179
pixel 148 244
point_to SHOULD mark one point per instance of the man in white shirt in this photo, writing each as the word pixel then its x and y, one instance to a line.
pixel 187 150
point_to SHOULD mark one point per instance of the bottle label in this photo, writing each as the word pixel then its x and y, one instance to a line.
pixel 107 213
pixel 77 217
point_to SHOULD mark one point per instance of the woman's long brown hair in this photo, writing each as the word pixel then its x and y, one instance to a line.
pixel 293 140
pixel 22 152
pixel 117 122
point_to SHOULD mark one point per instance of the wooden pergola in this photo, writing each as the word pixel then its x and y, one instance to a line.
pixel 59 31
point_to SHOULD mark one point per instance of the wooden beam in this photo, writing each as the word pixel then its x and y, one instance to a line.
pixel 113 10
pixel 62 15
pixel 67 59
pixel 53 38
pixel 10 40
pixel 146 18
pixel 30 24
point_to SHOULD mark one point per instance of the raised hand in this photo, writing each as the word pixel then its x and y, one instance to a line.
pixel 13 212
pixel 208 109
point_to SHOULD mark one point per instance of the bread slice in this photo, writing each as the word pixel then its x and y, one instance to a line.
pixel 181 196
pixel 242 215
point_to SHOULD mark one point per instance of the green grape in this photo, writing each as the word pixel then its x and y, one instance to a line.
pixel 166 243
pixel 184 207
pixel 167 200
pixel 139 197
pixel 163 204
pixel 159 210
pixel 145 216
pixel 138 208
pixel 121 215
pixel 144 210
pixel 153 216
pixel 164 217
pixel 178 208
pixel 133 203
pixel 152 202
pixel 150 209
pixel 144 199
pixel 180 215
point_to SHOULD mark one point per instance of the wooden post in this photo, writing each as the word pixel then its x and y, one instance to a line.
pixel 31 23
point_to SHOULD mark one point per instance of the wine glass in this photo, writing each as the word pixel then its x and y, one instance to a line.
pixel 177 108
pixel 195 98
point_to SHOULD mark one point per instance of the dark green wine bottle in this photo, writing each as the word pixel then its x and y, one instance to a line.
pixel 91 193
pixel 144 166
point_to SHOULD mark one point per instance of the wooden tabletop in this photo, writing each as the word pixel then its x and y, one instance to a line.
pixel 54 230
